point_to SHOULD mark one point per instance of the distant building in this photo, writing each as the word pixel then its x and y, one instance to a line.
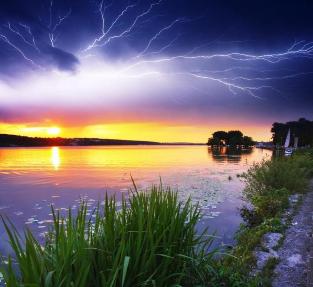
pixel 265 145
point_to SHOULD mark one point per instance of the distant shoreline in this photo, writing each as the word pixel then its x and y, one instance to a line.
pixel 7 140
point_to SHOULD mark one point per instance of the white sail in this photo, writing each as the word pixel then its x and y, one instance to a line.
pixel 287 142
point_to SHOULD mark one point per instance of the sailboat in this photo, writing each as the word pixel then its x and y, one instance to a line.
pixel 288 149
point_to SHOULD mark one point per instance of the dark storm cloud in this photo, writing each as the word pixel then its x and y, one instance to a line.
pixel 30 19
pixel 257 23
pixel 254 25
pixel 62 59
pixel 257 27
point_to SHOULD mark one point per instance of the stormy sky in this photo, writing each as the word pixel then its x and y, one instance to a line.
pixel 187 66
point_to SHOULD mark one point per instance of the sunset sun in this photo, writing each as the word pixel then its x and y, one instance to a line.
pixel 53 131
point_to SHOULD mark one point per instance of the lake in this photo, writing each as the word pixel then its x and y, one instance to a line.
pixel 31 179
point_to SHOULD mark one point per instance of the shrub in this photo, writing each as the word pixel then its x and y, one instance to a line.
pixel 269 184
pixel 269 205
pixel 291 173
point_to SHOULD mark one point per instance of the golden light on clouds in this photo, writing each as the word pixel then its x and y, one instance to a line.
pixel 39 131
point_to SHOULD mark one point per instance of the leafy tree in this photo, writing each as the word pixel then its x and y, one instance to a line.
pixel 231 138
pixel 248 141
pixel 214 141
pixel 302 129
pixel 235 138
pixel 221 137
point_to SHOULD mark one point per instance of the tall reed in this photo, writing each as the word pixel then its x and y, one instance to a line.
pixel 151 240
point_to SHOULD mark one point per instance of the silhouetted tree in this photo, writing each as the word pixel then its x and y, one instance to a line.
pixel 235 138
pixel 219 138
pixel 231 138
pixel 248 141
pixel 302 129
pixel 214 141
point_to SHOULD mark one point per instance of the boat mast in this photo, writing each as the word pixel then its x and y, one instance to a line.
pixel 287 142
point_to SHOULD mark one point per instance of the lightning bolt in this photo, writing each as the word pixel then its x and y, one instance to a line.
pixel 157 35
pixel 305 51
pixel 16 48
pixel 53 27
pixel 29 31
pixel 21 36
pixel 170 44
pixel 104 33
pixel 299 49
pixel 231 86
pixel 132 25
pixel 284 77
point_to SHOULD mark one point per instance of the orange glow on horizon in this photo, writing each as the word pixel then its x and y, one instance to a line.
pixel 160 132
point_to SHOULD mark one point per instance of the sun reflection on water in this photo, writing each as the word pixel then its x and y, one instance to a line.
pixel 55 157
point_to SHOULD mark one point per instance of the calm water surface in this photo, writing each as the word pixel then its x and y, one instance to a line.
pixel 31 179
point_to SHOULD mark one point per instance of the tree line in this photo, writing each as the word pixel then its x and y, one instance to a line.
pixel 23 141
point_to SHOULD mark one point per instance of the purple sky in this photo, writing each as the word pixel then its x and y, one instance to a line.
pixel 175 63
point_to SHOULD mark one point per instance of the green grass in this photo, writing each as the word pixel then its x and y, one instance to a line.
pixel 268 187
pixel 150 240
pixel 291 173
pixel 305 151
